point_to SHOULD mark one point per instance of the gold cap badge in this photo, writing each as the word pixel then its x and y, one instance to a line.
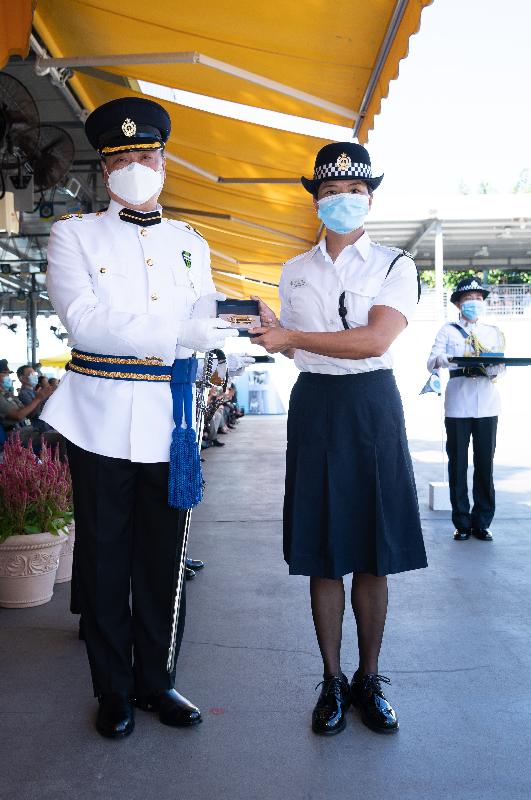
pixel 343 162
pixel 129 127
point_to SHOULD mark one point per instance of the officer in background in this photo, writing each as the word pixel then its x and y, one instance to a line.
pixel 134 291
pixel 350 503
pixel 471 407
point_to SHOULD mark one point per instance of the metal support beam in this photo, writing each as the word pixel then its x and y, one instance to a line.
pixel 381 58
pixel 237 220
pixel 44 64
pixel 414 242
pixel 439 268
pixel 211 176
pixel 33 310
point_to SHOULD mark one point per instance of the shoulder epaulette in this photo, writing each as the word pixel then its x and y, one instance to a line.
pixel 75 215
pixel 178 223
pixel 300 257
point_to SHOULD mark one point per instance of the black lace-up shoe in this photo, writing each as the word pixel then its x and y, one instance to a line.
pixel 376 712
pixel 461 534
pixel 329 713
pixel 116 716
pixel 483 534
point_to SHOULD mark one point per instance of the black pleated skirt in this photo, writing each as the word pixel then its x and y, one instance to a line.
pixel 350 502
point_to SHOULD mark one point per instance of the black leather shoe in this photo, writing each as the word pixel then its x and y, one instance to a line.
pixel 190 573
pixel 461 534
pixel 376 712
pixel 116 716
pixel 173 708
pixel 329 714
pixel 192 563
pixel 217 443
pixel 482 533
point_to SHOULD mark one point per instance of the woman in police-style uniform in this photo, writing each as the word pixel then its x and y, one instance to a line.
pixel 350 500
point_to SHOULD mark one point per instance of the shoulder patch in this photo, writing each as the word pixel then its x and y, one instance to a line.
pixel 183 226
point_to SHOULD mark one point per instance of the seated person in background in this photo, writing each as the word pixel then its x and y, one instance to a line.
pixel 32 386
pixel 213 426
pixel 14 415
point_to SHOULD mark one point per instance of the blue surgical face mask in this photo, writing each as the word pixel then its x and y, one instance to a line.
pixel 472 309
pixel 33 379
pixel 343 213
pixel 7 383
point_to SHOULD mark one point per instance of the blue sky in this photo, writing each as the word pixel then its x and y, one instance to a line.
pixel 460 109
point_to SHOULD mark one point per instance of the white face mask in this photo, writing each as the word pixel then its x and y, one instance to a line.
pixel 135 183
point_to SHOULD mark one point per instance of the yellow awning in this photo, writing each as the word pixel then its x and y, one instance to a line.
pixel 15 28
pixel 238 182
pixel 59 361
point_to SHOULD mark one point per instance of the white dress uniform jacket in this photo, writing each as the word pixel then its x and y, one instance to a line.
pixel 120 289
pixel 469 397
pixel 310 287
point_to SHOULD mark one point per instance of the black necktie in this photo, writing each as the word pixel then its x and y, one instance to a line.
pixel 143 218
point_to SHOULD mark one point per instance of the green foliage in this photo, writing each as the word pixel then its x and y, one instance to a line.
pixel 497 277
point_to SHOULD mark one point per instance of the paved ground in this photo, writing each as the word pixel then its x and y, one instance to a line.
pixel 457 649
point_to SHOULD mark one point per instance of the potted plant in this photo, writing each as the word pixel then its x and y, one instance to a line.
pixel 35 507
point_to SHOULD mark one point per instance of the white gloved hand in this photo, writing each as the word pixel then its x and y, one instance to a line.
pixel 204 334
pixel 236 363
pixel 206 306
pixel 442 361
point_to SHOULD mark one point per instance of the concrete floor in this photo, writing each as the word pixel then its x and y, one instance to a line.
pixel 457 648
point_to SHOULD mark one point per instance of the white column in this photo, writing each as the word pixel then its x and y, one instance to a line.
pixel 439 262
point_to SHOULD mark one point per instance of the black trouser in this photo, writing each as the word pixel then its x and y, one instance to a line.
pixel 126 543
pixel 483 431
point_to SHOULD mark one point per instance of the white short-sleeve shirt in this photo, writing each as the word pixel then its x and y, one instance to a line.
pixel 311 285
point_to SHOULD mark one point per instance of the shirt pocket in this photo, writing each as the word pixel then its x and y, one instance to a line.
pixel 109 282
pixel 359 296
pixel 186 289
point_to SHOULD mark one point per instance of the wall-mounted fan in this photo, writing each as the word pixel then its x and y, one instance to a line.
pixel 19 123
pixel 53 157
pixel 29 153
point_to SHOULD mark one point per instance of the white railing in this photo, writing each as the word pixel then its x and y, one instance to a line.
pixel 506 301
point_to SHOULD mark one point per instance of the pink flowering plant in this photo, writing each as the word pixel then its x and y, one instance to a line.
pixel 35 492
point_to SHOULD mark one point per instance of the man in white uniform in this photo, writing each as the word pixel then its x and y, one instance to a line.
pixel 471 407
pixel 125 283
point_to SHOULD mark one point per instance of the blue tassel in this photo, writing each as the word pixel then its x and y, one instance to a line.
pixel 185 486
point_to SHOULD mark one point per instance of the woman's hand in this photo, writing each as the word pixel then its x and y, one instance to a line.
pixel 268 318
pixel 273 339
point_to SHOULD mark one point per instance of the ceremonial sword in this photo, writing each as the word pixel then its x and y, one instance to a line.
pixel 202 414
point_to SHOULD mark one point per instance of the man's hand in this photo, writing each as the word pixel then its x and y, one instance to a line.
pixel 204 334
pixel 206 306
pixel 268 318
pixel 237 363
pixel 43 392
pixel 274 340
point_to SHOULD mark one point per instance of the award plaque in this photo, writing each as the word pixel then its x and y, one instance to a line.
pixel 489 360
pixel 242 314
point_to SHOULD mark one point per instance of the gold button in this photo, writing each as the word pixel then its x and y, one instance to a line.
pixel 143 232
pixel 103 270
pixel 154 296
pixel 149 262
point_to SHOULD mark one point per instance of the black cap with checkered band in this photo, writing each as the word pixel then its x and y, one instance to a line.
pixel 471 284
pixel 128 123
pixel 341 161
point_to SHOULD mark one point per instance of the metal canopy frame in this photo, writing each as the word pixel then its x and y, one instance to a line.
pixel 44 64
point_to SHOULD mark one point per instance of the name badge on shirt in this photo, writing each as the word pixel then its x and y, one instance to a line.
pixel 296 283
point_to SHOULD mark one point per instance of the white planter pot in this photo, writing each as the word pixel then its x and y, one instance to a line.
pixel 64 570
pixel 28 565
